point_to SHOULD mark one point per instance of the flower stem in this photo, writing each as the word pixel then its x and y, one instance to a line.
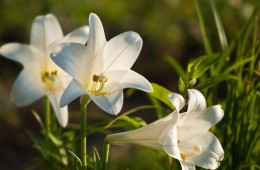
pixel 84 100
pixel 105 155
pixel 47 114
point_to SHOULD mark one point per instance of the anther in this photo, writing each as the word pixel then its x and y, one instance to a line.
pixel 95 78
pixel 183 156
pixel 198 149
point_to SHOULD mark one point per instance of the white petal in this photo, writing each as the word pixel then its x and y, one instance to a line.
pixel 18 52
pixel 111 103
pixel 97 37
pixel 70 57
pixel 73 91
pixel 212 151
pixel 187 166
pixel 122 51
pixel 135 80
pixel 196 102
pixel 79 35
pixel 45 31
pixel 177 100
pixel 27 88
pixel 214 114
pixel 170 142
pixel 61 113
pixel 151 135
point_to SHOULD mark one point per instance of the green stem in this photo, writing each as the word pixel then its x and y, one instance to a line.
pixel 84 136
pixel 105 155
pixel 84 100
pixel 47 114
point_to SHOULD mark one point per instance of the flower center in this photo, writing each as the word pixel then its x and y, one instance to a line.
pixel 98 84
pixel 49 78
pixel 188 151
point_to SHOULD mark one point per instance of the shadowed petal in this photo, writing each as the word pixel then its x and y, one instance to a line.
pixel 111 103
pixel 73 91
pixel 79 35
pixel 21 53
pixel 211 154
pixel 61 113
pixel 122 51
pixel 196 102
pixel 177 100
pixel 27 88
pixel 70 57
pixel 45 31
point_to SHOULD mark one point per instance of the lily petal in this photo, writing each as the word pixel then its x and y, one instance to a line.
pixel 122 51
pixel 61 113
pixel 45 31
pixel 134 80
pixel 97 37
pixel 27 89
pixel 79 35
pixel 150 135
pixel 111 103
pixel 212 151
pixel 70 56
pixel 21 53
pixel 187 166
pixel 177 100
pixel 196 102
pixel 73 91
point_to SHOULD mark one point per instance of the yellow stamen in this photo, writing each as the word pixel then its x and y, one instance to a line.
pixel 183 156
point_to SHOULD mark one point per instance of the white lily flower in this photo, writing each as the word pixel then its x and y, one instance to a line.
pixel 101 69
pixel 40 76
pixel 183 136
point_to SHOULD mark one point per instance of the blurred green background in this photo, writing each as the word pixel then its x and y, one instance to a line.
pixel 166 27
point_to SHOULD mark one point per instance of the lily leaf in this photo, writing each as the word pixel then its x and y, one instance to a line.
pixel 214 80
pixel 204 63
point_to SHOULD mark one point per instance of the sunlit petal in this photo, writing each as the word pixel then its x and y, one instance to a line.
pixel 61 113
pixel 73 91
pixel 122 51
pixel 21 53
pixel 45 31
pixel 27 89
pixel 79 35
pixel 134 80
pixel 97 37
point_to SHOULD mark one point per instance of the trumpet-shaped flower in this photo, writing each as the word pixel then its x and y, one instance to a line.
pixel 40 76
pixel 101 69
pixel 183 136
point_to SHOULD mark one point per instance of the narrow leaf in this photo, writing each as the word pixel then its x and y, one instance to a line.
pixel 96 160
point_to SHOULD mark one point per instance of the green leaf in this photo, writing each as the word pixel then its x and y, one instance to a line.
pixel 96 160
pixel 238 64
pixel 221 32
pixel 161 94
pixel 214 80
pixel 38 144
pixel 177 67
pixel 204 63
pixel 205 36
pixel 77 158
pixel 38 118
